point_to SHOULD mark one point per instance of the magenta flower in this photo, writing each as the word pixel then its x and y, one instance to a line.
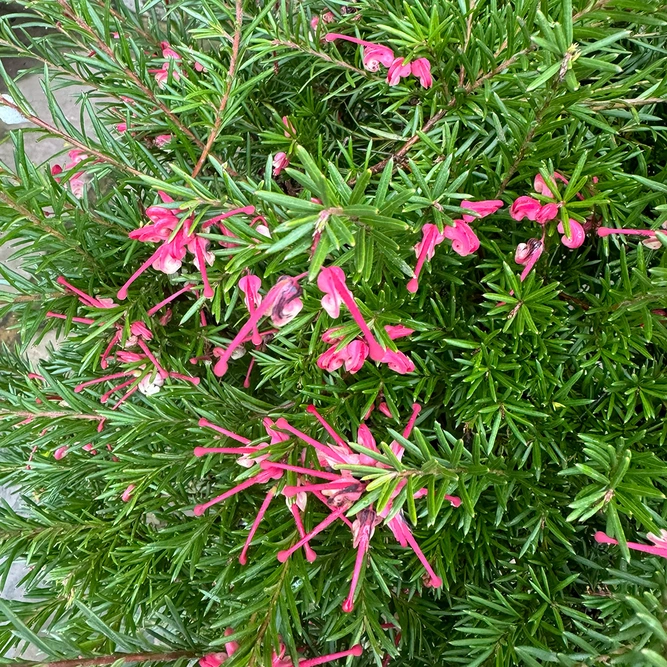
pixel 464 240
pixel 540 186
pixel 163 140
pixel 425 249
pixel 280 161
pixel 399 69
pixel 547 212
pixel 162 74
pixel 659 547
pixel 395 331
pixel 60 453
pixel 121 128
pixel 527 255
pixel 482 208
pixel 525 207
pixel 250 285
pixel 398 362
pixel 374 55
pixel 127 494
pixel 331 281
pixel 577 234
pixel 421 68
pixel 353 355
pixel 281 302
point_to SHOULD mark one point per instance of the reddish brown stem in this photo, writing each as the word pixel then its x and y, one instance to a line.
pixel 110 659
pixel 238 23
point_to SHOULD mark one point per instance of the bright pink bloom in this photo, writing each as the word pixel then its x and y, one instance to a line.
pixel 282 302
pixel 331 281
pixel 540 185
pixel 353 355
pixel 212 659
pixel 482 208
pixel 163 140
pixel 421 68
pixel 464 240
pixel 399 69
pixel 127 494
pixel 374 54
pixel 425 249
pixel 547 212
pixel 525 207
pixel 527 255
pixel 384 409
pixel 398 362
pixel 659 547
pixel 162 74
pixel 276 436
pixel 60 453
pixel 290 130
pixel 314 22
pixel 250 285
pixel 199 67
pixel 168 52
pixel 280 161
pixel 577 234
pixel 395 331
pixel 139 329
pixel 121 128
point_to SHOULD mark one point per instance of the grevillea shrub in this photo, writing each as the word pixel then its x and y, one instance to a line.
pixel 360 312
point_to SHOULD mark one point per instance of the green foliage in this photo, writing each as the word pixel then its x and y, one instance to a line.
pixel 543 401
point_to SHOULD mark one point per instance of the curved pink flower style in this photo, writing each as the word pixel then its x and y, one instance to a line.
pixel 374 54
pixel 464 240
pixel 481 208
pixel 577 234
pixel 527 255
pixel 250 285
pixel 425 249
pixel 651 241
pixel 331 281
pixel 659 547
pixel 363 528
pixel 86 300
pixel 421 68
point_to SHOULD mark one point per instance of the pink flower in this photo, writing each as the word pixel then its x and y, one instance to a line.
pixel 577 234
pixel 139 329
pixel 199 67
pixel 276 436
pixel 290 130
pixel 328 17
pixel 127 494
pixel 527 255
pixel 525 207
pixel 425 250
pixel 121 128
pixel 162 74
pixel 547 212
pixel 353 356
pixel 399 69
pixel 282 302
pixel 163 140
pixel 464 240
pixel 374 54
pixel 92 302
pixel 314 22
pixel 421 68
pixel 212 659
pixel 395 331
pixel 540 185
pixel 60 453
pixel 250 285
pixel 331 281
pixel 398 362
pixel 280 161
pixel 168 52
pixel 659 547
pixel 482 208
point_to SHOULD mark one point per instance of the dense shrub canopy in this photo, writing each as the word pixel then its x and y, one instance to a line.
pixel 404 255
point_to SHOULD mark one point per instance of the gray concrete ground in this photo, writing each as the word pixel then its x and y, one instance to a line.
pixel 38 152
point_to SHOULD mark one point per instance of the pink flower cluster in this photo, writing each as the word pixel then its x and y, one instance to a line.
pixel 339 491
pixel 77 181
pixel 399 68
pixel 278 659
pixel 176 237
pixel 548 209
pixel 463 238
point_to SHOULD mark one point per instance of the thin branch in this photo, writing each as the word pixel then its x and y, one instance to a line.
pixel 630 102
pixel 49 415
pixel 238 25
pixel 110 659
pixel 318 54
pixel 102 45
pixel 466 41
